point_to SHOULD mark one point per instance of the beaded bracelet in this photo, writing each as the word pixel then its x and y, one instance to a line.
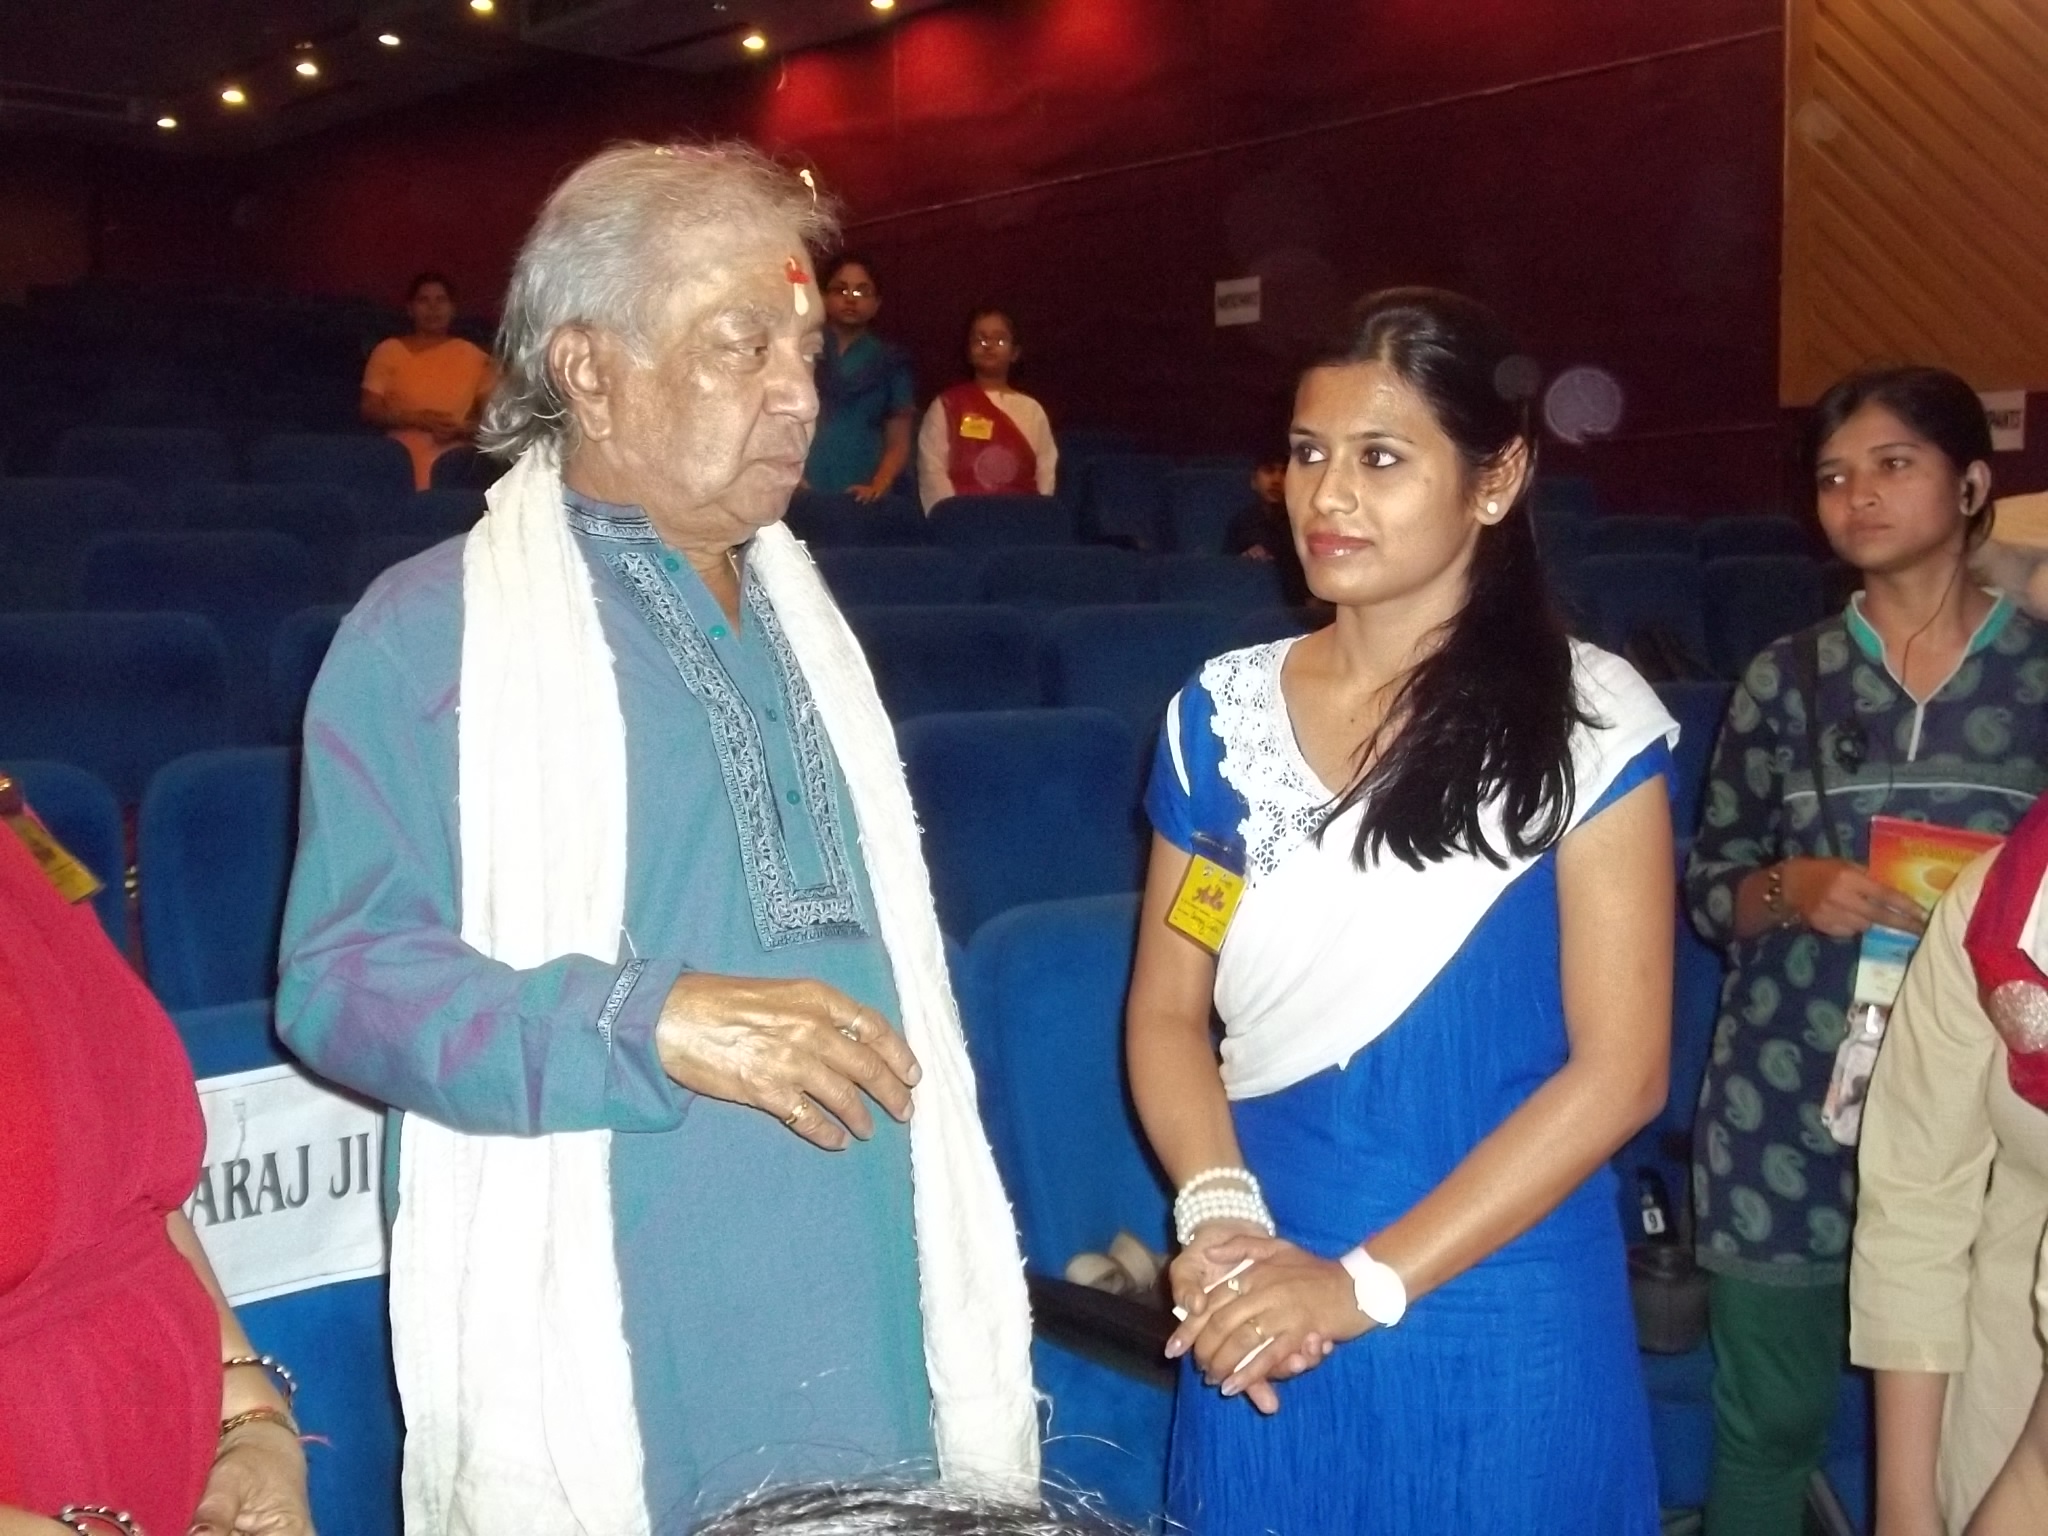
pixel 279 1372
pixel 1198 1201
pixel 1202 1183
pixel 83 1517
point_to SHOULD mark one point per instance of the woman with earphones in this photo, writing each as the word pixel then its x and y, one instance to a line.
pixel 1922 700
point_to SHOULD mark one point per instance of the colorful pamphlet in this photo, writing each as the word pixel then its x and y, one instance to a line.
pixel 1921 861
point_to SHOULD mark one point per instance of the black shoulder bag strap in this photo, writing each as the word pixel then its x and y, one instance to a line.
pixel 1806 656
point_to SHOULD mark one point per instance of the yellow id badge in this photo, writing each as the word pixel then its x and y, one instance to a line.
pixel 1208 894
pixel 980 428
pixel 74 882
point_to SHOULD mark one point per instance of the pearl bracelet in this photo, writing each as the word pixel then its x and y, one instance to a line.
pixel 1201 1200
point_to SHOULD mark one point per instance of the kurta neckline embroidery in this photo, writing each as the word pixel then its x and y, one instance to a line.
pixel 784 912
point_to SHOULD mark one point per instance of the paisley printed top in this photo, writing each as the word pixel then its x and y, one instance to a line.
pixel 1772 1192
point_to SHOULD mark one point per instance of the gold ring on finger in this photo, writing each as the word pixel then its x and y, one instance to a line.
pixel 1234 1285
pixel 851 1031
pixel 1261 1332
pixel 797 1113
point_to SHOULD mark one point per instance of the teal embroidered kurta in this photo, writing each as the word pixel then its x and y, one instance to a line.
pixel 1772 1192
pixel 770 1289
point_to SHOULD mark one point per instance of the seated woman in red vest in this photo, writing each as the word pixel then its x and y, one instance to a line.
pixel 983 436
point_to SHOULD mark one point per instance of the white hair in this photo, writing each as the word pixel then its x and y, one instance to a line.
pixel 600 255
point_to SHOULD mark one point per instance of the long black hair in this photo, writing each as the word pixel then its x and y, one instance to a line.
pixel 1487 717
pixel 1935 404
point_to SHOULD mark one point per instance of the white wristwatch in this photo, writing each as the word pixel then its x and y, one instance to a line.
pixel 1380 1293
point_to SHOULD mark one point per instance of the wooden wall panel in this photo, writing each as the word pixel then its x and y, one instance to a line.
pixel 1916 190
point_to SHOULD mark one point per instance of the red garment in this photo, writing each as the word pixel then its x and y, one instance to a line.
pixel 979 463
pixel 2010 985
pixel 110 1386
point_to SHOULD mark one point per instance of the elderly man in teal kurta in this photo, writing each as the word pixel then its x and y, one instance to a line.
pixel 714 1049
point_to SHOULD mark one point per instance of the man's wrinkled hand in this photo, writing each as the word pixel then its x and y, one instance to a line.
pixel 801 1051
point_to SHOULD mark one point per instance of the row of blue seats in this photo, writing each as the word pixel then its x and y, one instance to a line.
pixel 1567 539
pixel 1713 617
pixel 156 460
pixel 123 693
pixel 1016 805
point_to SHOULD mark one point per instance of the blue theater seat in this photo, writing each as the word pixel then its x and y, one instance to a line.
pixel 44 528
pixel 1127 497
pixel 1259 626
pixel 874 578
pixel 462 468
pixel 1631 596
pixel 1752 600
pixel 1129 660
pixel 296 653
pixel 1023 805
pixel 836 521
pixel 213 853
pixel 1640 536
pixel 1201 504
pixel 355 461
pixel 324 518
pixel 1566 496
pixel 152 460
pixel 439 513
pixel 990 522
pixel 1044 1016
pixel 1699 708
pixel 1222 579
pixel 1722 538
pixel 118 694
pixel 941 660
pixel 1065 577
pixel 83 815
pixel 245 582
pixel 337 1338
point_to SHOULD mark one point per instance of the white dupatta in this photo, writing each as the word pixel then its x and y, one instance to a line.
pixel 1322 958
pixel 507 1320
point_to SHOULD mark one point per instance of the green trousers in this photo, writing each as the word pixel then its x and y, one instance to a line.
pixel 1778 1357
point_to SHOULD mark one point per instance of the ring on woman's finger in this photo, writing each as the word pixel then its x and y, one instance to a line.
pixel 1234 1285
pixel 851 1031
pixel 797 1113
pixel 1261 1332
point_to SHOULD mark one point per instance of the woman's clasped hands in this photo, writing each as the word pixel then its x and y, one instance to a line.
pixel 1256 1310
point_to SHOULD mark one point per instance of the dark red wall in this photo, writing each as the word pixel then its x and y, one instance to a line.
pixel 1606 172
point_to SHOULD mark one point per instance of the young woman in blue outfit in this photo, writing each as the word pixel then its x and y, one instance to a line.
pixel 1445 993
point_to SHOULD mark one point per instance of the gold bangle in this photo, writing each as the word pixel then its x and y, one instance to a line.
pixel 248 1416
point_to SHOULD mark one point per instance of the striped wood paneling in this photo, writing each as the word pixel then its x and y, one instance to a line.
pixel 1916 190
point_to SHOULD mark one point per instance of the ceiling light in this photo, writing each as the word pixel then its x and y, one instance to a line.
pixel 883 5
pixel 483 7
pixel 307 69
pixel 233 96
pixel 167 122
pixel 754 42
pixel 388 39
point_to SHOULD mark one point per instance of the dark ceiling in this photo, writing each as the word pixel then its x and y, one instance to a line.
pixel 108 69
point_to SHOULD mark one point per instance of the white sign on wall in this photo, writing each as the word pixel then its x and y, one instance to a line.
pixel 289 1196
pixel 2006 410
pixel 1237 301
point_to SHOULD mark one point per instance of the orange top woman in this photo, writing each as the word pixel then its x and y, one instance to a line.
pixel 427 389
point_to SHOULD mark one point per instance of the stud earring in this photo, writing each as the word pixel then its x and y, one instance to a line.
pixel 1493 511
